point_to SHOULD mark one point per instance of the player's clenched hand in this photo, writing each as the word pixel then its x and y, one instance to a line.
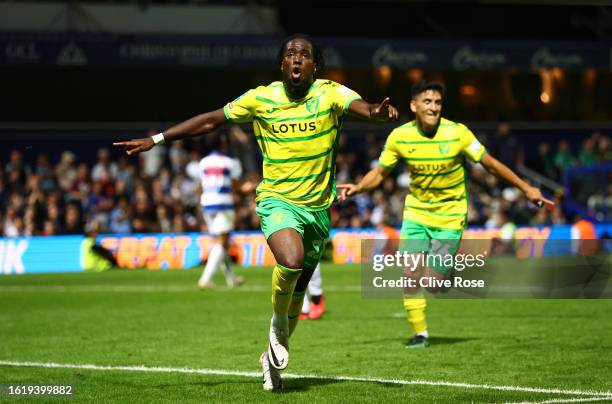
pixel 385 111
pixel 136 146
pixel 346 190
pixel 535 196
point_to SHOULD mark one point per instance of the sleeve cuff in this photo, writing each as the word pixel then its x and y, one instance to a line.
pixel 482 153
pixel 227 115
pixel 348 102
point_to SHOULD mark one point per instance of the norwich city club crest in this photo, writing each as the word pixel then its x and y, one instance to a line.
pixel 312 105
pixel 444 148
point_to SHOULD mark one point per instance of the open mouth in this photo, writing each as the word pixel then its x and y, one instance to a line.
pixel 296 74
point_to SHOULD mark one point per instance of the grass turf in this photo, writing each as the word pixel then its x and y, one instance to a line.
pixel 160 318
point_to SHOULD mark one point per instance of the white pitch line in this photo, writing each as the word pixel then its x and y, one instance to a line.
pixel 598 394
pixel 565 400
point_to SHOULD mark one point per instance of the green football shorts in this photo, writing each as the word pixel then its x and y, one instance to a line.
pixel 416 237
pixel 276 215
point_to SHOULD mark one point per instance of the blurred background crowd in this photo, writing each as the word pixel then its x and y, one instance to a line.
pixel 61 193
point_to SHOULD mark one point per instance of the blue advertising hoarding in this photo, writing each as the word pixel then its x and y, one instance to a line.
pixel 31 255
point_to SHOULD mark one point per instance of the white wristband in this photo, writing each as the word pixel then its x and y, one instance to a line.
pixel 158 139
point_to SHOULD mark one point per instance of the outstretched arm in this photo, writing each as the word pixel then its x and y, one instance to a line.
pixel 374 112
pixel 371 180
pixel 196 126
pixel 500 170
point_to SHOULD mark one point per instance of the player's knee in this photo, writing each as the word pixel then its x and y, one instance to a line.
pixel 292 261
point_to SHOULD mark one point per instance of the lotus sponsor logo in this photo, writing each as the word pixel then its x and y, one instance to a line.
pixel 293 127
pixel 466 58
pixel 385 55
pixel 22 52
pixel 544 57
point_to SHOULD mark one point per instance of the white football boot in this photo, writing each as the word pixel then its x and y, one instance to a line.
pixel 278 353
pixel 271 377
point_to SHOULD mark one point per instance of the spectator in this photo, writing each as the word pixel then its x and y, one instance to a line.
pixel 125 176
pixel 586 155
pixel 65 171
pixel 506 147
pixel 120 217
pixel 152 162
pixel 144 216
pixel 16 170
pixel 604 150
pixel 73 220
pixel 545 163
pixel 104 170
pixel 242 147
pixel 98 206
pixel 163 219
pixel 178 156
pixel 563 158
pixel 45 171
pixel 81 186
pixel 192 169
pixel 13 224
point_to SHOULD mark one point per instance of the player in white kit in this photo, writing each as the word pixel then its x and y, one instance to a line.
pixel 219 174
pixel 314 301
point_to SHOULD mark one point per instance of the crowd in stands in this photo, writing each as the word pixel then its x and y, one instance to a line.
pixel 159 191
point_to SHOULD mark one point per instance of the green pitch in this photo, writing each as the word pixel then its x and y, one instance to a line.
pixel 152 334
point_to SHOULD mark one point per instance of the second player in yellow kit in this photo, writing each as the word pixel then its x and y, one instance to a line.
pixel 435 211
pixel 438 177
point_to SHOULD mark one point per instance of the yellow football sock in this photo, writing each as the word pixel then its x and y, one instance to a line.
pixel 415 312
pixel 283 284
pixel 295 308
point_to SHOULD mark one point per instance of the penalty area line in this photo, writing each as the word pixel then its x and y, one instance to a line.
pixel 593 395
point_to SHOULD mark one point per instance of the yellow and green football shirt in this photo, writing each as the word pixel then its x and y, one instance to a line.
pixel 298 139
pixel 438 179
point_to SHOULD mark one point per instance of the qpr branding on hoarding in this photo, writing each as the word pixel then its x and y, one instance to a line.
pixel 466 58
pixel 385 55
pixel 544 57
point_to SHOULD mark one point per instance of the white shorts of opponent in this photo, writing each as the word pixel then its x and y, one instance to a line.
pixel 219 222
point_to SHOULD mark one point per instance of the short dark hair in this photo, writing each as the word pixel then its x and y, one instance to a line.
pixel 215 141
pixel 424 85
pixel 317 53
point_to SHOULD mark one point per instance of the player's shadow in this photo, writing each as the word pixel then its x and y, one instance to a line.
pixel 378 341
pixel 290 385
pixel 206 384
pixel 304 383
pixel 432 340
